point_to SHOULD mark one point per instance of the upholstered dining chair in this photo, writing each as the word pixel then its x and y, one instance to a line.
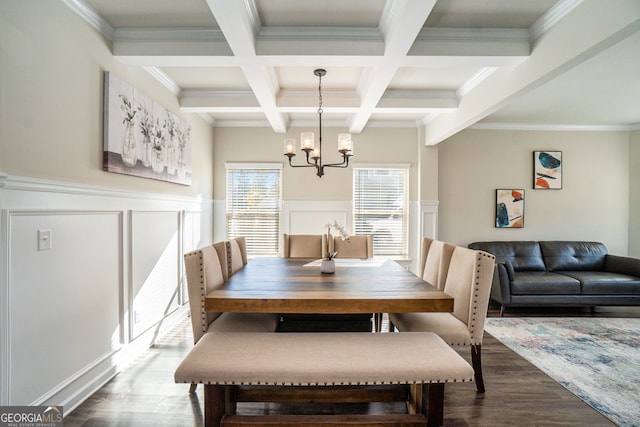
pixel 354 247
pixel 469 283
pixel 242 244
pixel 305 246
pixel 426 244
pixel 436 263
pixel 236 254
pixel 206 270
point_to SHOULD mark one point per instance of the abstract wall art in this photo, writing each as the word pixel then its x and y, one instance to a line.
pixel 510 208
pixel 143 138
pixel 547 170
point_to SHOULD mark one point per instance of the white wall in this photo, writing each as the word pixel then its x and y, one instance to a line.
pixel 71 316
pixel 592 205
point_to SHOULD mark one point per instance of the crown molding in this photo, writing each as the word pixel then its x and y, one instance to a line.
pixel 553 127
pixel 474 81
pixel 195 34
pixel 164 79
pixel 551 17
pixel 253 16
pixel 92 17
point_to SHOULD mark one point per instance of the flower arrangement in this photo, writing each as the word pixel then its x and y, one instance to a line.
pixel 146 122
pixel 128 112
pixel 171 125
pixel 158 136
pixel 343 235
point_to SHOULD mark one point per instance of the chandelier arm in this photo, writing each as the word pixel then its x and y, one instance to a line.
pixel 343 164
pixel 309 165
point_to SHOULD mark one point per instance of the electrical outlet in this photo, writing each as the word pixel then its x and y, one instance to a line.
pixel 44 240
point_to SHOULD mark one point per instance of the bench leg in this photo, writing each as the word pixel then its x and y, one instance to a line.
pixel 433 404
pixel 214 403
pixel 476 361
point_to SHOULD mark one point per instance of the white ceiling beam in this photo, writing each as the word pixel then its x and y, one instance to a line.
pixel 238 22
pixel 559 50
pixel 400 25
pixel 465 42
pixel 427 99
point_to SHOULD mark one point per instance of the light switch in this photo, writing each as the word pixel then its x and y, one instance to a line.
pixel 44 240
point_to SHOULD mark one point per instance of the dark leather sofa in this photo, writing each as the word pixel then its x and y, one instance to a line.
pixel 561 273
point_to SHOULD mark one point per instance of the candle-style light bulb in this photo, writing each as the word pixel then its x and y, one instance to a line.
pixel 306 141
pixel 289 147
pixel 344 143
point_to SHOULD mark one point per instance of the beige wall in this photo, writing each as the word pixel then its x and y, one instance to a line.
pixel 373 146
pixel 593 204
pixel 634 194
pixel 51 95
pixel 97 296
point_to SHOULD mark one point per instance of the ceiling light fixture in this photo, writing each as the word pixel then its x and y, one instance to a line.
pixel 313 154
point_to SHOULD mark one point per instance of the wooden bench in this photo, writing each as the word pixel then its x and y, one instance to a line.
pixel 323 367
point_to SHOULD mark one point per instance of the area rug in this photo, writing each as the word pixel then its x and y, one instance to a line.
pixel 597 359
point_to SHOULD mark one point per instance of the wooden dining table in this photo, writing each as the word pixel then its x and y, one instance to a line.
pixel 287 285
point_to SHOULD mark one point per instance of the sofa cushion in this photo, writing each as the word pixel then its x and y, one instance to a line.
pixel 604 283
pixel 523 256
pixel 544 283
pixel 573 256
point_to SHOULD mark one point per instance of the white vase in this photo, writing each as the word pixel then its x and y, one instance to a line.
pixel 328 266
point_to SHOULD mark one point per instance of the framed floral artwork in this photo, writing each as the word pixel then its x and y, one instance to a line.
pixel 141 137
pixel 510 208
pixel 547 170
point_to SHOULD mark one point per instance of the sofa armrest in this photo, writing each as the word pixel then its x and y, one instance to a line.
pixel 501 288
pixel 622 265
pixel 508 268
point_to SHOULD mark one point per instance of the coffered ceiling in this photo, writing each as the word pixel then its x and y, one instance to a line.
pixel 442 65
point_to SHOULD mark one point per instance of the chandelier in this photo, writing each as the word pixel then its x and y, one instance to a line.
pixel 307 144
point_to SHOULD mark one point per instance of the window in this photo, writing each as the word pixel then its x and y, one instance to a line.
pixel 253 206
pixel 380 207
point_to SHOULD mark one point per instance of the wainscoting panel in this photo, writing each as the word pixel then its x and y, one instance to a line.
pixel 155 268
pixel 429 219
pixel 66 297
pixel 310 217
pixel 67 313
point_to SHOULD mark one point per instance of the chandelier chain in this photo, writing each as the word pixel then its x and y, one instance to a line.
pixel 319 93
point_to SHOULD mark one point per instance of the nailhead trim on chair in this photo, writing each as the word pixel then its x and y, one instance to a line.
pixel 476 290
pixel 203 313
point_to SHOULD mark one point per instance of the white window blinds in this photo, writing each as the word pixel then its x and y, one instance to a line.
pixel 380 207
pixel 253 207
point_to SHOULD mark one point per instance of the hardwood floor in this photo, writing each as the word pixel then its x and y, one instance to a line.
pixel 518 394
